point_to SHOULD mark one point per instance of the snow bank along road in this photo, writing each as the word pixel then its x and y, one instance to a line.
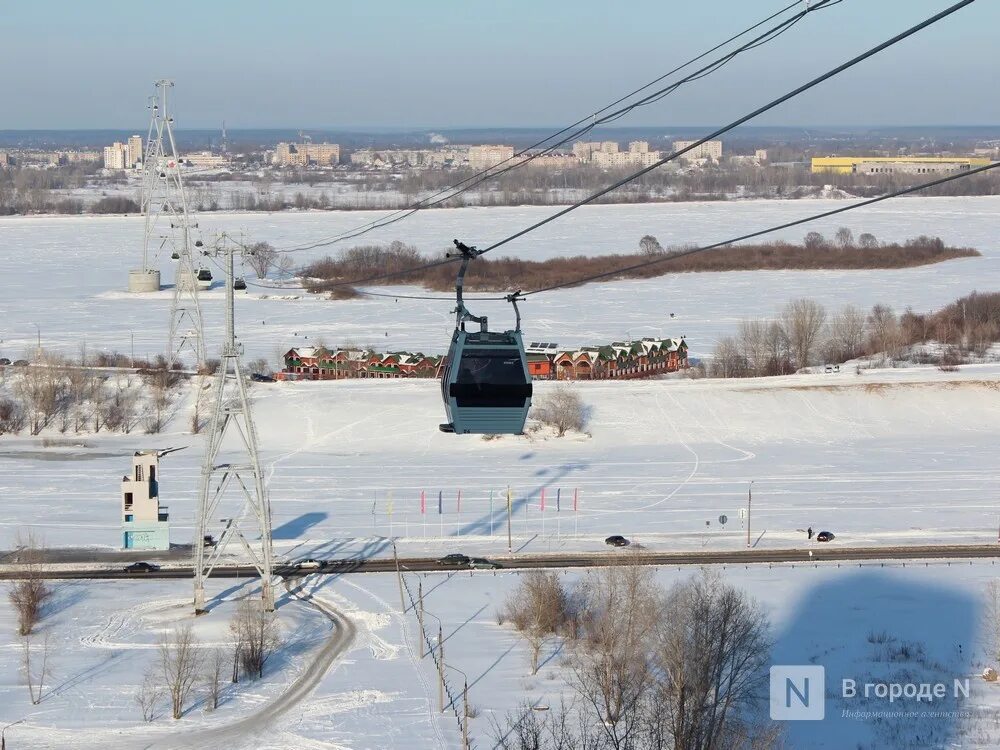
pixel 576 560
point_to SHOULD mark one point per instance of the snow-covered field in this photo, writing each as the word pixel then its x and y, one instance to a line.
pixel 880 457
pixel 67 275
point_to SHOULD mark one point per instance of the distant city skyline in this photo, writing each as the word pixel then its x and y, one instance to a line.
pixel 388 64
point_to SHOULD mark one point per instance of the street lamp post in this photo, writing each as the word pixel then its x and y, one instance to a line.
pixel 131 336
pixel 465 706
pixel 749 499
pixel 3 734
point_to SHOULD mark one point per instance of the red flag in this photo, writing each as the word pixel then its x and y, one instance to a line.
pixel 423 502
pixel 574 499
pixel 543 500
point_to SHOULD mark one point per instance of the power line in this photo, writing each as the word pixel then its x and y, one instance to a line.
pixel 735 123
pixel 795 92
pixel 589 123
pixel 769 230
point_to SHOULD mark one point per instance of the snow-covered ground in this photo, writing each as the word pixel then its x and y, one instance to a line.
pixel 67 275
pixel 919 623
pixel 878 457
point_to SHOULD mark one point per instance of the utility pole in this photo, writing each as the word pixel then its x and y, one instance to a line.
pixel 399 577
pixel 441 667
pixel 232 408
pixel 465 714
pixel 749 498
pixel 510 545
pixel 420 613
pixel 168 223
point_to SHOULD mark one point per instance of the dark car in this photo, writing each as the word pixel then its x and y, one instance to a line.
pixel 141 567
pixel 616 540
pixel 20 363
pixel 4 361
pixel 258 378
pixel 455 558
pixel 825 536
pixel 481 563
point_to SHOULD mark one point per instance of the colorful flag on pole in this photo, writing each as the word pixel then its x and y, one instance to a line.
pixel 558 494
pixel 440 502
pixel 574 499
pixel 423 502
pixel 509 504
pixel 459 502
pixel 389 506
pixel 543 500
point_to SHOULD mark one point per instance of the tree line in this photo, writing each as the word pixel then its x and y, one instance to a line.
pixel 506 274
pixel 804 334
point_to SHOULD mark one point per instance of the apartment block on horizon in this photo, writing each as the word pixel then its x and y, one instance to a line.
pixel 304 154
pixel 707 150
pixel 485 157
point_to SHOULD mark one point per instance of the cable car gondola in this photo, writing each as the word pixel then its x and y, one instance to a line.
pixel 485 384
pixel 204 278
pixel 239 284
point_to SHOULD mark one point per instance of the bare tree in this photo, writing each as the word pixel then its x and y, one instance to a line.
pixel 29 593
pixel 883 331
pixel 649 245
pixel 40 390
pixel 622 607
pixel 178 666
pixel 846 334
pixel 160 382
pixel 728 360
pixel 844 237
pixel 867 240
pixel 814 241
pixel 261 258
pixel 802 321
pixel 11 416
pixel 36 673
pixel 711 653
pixel 537 607
pixel 213 677
pixel 561 408
pixel 148 696
pixel 256 636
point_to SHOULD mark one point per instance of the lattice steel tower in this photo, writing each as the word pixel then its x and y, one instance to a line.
pixel 242 468
pixel 168 223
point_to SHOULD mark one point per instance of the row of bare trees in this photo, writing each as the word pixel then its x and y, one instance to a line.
pixel 58 393
pixel 803 334
pixel 183 664
pixel 681 668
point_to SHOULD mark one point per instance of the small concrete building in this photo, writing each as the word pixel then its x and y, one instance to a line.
pixel 145 523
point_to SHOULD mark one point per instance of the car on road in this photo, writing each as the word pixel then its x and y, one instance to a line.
pixel 4 361
pixel 616 540
pixel 258 378
pixel 455 558
pixel 825 536
pixel 310 564
pixel 141 567
pixel 481 563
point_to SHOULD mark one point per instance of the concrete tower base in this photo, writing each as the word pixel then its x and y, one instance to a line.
pixel 140 280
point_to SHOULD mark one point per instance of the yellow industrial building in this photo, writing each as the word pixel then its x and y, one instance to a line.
pixel 895 164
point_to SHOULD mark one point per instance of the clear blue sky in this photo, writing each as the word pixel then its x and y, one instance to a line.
pixel 452 63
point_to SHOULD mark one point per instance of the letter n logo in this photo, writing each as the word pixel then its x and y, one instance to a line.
pixel 798 693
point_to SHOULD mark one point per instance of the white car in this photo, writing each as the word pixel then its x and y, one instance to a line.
pixel 309 564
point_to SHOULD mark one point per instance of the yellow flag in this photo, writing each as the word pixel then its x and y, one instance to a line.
pixel 389 508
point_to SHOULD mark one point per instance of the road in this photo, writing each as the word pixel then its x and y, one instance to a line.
pixel 244 733
pixel 567 560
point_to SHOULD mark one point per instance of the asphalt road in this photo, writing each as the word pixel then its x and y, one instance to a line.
pixel 575 560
